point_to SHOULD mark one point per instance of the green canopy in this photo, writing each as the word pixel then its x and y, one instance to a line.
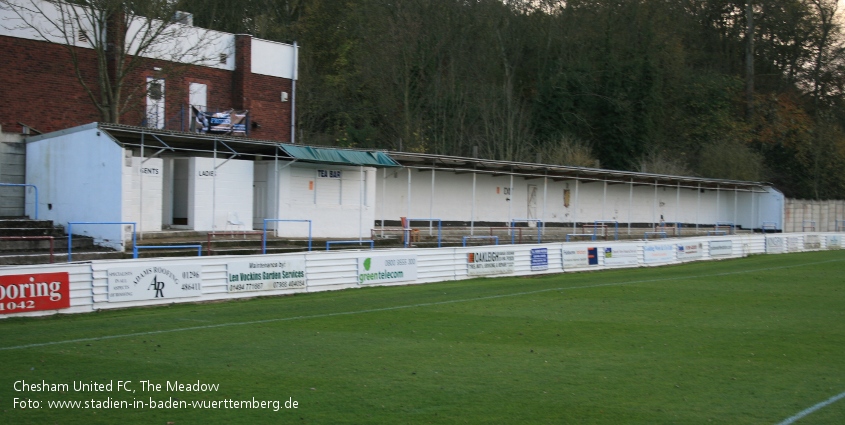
pixel 340 156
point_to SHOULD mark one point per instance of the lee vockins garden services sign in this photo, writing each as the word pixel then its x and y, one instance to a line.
pixel 377 269
pixel 154 282
pixel 266 275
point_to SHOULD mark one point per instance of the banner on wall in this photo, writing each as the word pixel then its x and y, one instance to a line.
pixel 812 242
pixel 539 259
pixel 834 242
pixel 690 251
pixel 658 253
pixel 775 245
pixel 482 263
pixel 229 122
pixel 575 258
pixel 721 248
pixel 154 283
pixel 620 255
pixel 20 293
pixel 247 276
pixel 377 269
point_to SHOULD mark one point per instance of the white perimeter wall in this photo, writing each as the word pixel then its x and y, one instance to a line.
pixel 274 59
pixel 142 192
pixel 79 173
pixel 332 270
pixel 216 192
pixel 338 207
pixel 452 200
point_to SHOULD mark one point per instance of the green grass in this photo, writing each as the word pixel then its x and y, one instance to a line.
pixel 747 341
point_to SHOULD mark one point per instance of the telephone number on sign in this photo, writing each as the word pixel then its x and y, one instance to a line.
pixel 291 284
pixel 23 305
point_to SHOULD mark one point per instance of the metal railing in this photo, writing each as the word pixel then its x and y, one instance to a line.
pixel 360 242
pixel 540 226
pixel 211 235
pixel 464 239
pixel 407 229
pixel 25 238
pixel 279 220
pixel 198 247
pixel 70 235
pixel 26 185
pixel 655 233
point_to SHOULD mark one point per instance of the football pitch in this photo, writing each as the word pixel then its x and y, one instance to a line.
pixel 758 340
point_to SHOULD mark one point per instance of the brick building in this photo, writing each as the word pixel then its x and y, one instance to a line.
pixel 40 89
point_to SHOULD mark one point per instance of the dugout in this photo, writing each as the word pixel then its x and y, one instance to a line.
pixel 481 192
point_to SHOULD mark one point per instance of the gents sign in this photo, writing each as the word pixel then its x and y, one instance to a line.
pixel 245 276
pixel 153 283
pixel 489 262
pixel 34 292
pixel 386 269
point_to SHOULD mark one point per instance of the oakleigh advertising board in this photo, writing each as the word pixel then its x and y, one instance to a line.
pixel 620 255
pixel 266 275
pixel 154 282
pixel 20 293
pixel 482 263
pixel 376 269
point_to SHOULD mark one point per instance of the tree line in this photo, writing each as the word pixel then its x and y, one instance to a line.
pixel 713 88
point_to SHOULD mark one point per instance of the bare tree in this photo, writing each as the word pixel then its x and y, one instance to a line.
pixel 122 35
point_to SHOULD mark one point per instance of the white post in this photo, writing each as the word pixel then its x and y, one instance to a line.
pixel 141 203
pixel 604 201
pixel 697 209
pixel 361 205
pixel 408 214
pixel 654 207
pixel 214 187
pixel 510 204
pixel 736 201
pixel 431 205
pixel 472 212
pixel 545 195
pixel 383 197
pixel 678 210
pixel 718 210
pixel 575 213
pixel 630 204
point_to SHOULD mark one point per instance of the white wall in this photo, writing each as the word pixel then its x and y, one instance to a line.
pixel 144 180
pixel 453 200
pixel 334 205
pixel 339 269
pixel 274 59
pixel 216 192
pixel 79 175
pixel 19 19
pixel 184 44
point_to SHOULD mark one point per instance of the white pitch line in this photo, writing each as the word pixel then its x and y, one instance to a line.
pixel 400 307
pixel 809 410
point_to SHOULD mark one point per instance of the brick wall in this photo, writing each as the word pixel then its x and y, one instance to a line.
pixel 38 88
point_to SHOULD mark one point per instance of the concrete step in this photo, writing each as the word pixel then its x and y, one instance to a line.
pixel 6 223
pixel 58 257
pixel 34 245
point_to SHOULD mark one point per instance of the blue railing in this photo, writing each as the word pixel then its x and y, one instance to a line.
pixel 70 235
pixel 615 228
pixel 439 229
pixel 528 220
pixel 369 241
pixel 26 185
pixel 656 234
pixel 278 220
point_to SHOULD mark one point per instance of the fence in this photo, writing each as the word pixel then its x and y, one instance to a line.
pixel 105 284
